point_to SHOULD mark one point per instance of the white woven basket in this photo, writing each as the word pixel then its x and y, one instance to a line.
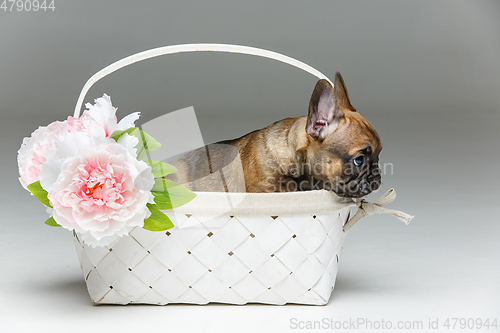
pixel 272 248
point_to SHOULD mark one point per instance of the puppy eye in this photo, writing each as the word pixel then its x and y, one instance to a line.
pixel 359 160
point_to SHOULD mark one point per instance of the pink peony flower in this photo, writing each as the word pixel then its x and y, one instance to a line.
pixel 94 192
pixel 37 149
pixel 98 121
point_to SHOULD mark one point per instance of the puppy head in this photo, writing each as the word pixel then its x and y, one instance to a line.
pixel 344 147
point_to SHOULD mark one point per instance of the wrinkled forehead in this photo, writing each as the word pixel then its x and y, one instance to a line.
pixel 358 134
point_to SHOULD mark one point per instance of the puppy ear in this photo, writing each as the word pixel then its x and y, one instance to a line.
pixel 323 114
pixel 327 107
pixel 341 96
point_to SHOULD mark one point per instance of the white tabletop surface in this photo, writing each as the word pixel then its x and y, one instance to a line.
pixel 445 264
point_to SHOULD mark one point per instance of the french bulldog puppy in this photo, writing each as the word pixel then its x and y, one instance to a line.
pixel 333 148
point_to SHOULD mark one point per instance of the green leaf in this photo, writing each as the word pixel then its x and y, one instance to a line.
pixel 166 190
pixel 157 221
pixel 162 200
pixel 52 222
pixel 117 134
pixel 160 169
pixel 146 145
pixel 39 193
pixel 160 185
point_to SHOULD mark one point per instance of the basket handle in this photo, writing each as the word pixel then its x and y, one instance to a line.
pixel 182 48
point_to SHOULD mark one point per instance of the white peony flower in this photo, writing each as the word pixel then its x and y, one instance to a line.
pixel 104 114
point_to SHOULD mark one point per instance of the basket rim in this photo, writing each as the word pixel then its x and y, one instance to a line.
pixel 259 204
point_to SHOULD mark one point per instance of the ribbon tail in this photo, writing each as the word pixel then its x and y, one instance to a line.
pixel 406 218
pixel 388 197
pixel 360 214
pixel 366 209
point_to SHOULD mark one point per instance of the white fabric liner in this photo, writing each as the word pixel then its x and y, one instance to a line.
pixel 258 204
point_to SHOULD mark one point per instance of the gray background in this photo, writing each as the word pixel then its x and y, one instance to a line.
pixel 426 74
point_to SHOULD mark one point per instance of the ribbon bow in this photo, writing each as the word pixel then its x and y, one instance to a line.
pixel 366 208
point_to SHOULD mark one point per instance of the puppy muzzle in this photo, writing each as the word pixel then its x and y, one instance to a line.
pixel 364 183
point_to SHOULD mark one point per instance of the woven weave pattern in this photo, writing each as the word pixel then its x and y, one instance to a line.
pixel 226 259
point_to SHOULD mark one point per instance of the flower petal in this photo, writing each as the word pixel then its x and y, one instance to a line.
pixel 145 180
pixel 128 121
pixel 49 172
pixel 129 142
